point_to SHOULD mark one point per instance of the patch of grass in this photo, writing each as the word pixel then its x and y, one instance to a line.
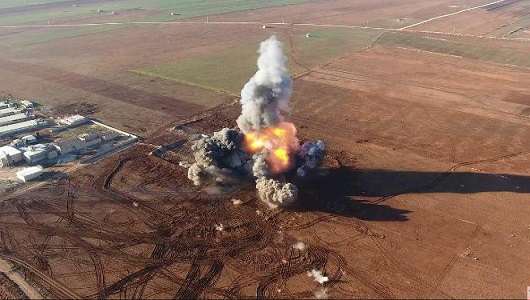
pixel 323 46
pixel 53 34
pixel 509 29
pixel 229 70
pixel 46 15
pixel 181 8
pixel 393 22
pixel 16 3
pixel 472 51
pixel 224 71
pixel 89 128
pixel 193 8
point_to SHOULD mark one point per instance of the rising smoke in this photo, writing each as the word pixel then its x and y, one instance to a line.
pixel 267 146
pixel 267 93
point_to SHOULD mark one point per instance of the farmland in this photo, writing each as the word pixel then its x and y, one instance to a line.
pixel 424 107
pixel 467 50
pixel 229 70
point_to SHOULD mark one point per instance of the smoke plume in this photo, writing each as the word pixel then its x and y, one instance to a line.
pixel 267 145
pixel 267 93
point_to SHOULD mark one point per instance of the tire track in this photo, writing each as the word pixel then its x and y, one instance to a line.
pixel 56 286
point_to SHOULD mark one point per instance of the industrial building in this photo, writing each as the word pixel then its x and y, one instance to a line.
pixel 109 136
pixel 29 140
pixel 30 173
pixel 76 144
pixel 73 120
pixel 34 156
pixel 21 127
pixel 39 152
pixel 9 111
pixel 11 119
pixel 9 156
pixel 27 103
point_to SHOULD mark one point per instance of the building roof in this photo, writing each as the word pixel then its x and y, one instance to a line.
pixel 12 118
pixel 9 150
pixel 69 142
pixel 9 111
pixel 18 126
pixel 74 119
pixel 89 136
pixel 29 171
pixel 29 137
pixel 36 152
pixel 26 103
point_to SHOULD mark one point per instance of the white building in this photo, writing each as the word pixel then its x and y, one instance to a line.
pixel 39 152
pixel 30 173
pixel 73 120
pixel 29 139
pixel 3 105
pixel 9 111
pixel 27 104
pixel 109 135
pixel 77 144
pixel 21 127
pixel 36 155
pixel 9 155
pixel 11 119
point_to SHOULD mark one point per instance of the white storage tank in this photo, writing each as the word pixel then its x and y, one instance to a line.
pixel 30 173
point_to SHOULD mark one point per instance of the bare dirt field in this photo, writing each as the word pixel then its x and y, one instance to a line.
pixel 423 192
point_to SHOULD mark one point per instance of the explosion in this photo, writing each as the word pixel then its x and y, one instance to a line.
pixel 279 142
pixel 267 146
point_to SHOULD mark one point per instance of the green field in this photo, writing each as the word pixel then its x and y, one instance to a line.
pixel 225 71
pixel 507 30
pixel 479 52
pixel 72 132
pixel 229 70
pixel 192 8
pixel 323 46
pixel 162 10
pixel 392 22
pixel 15 3
pixel 181 9
pixel 52 34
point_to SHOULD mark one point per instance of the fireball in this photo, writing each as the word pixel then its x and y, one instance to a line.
pixel 280 143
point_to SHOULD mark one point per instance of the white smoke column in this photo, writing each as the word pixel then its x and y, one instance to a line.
pixel 267 93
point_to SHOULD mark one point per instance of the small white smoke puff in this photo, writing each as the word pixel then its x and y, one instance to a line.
pixel 300 246
pixel 321 293
pixel 318 276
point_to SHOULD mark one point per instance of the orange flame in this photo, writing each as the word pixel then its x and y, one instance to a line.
pixel 280 141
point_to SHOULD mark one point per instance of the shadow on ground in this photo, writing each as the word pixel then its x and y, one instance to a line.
pixel 338 191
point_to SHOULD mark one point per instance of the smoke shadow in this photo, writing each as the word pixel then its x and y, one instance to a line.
pixel 338 190
pixel 335 193
pixel 386 183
